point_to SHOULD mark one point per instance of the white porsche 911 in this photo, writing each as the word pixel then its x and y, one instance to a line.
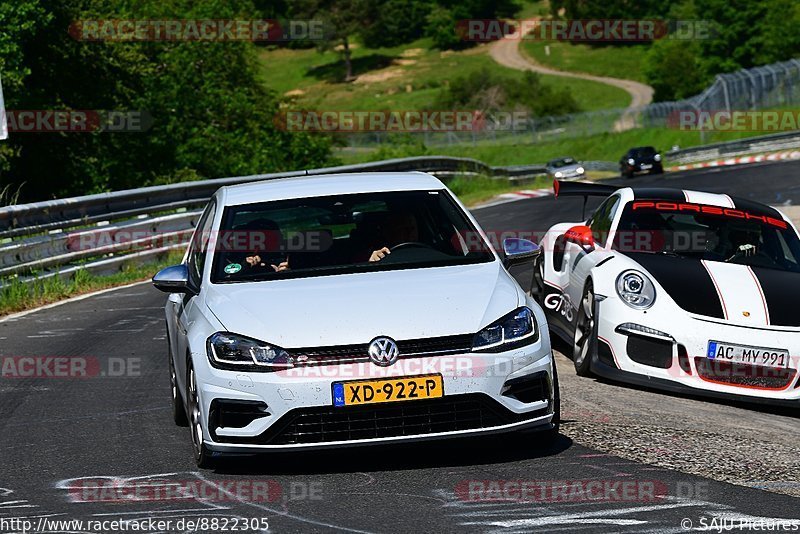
pixel 681 290
pixel 351 309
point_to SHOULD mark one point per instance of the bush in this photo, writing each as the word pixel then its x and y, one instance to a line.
pixel 488 91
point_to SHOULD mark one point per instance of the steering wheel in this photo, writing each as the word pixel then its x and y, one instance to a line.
pixel 409 244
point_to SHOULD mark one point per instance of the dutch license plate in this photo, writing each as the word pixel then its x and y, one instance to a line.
pixel 359 392
pixel 729 352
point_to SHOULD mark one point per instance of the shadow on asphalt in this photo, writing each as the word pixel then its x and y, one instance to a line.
pixel 503 448
pixel 561 346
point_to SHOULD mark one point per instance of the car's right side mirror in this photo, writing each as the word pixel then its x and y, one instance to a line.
pixel 580 235
pixel 174 279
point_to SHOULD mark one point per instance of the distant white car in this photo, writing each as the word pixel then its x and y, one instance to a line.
pixel 350 309
pixel 676 289
pixel 565 168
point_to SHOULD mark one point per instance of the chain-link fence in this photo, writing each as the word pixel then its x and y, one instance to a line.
pixel 767 87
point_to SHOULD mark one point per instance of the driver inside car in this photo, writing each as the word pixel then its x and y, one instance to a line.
pixel 264 237
pixel 399 228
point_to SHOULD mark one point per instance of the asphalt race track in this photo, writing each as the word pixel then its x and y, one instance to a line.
pixel 60 436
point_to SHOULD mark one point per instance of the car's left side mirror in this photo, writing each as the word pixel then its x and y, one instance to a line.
pixel 518 251
pixel 174 279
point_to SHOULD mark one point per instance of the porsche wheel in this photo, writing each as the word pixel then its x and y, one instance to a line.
pixel 585 334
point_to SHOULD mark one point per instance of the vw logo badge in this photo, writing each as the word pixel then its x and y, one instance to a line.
pixel 383 351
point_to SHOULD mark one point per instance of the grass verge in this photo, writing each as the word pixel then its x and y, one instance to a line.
pixel 614 61
pixel 404 78
pixel 16 296
pixel 473 190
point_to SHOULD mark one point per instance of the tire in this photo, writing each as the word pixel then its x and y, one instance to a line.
pixel 585 338
pixel 178 407
pixel 549 436
pixel 202 455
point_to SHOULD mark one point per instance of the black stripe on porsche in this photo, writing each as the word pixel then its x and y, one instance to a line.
pixel 686 281
pixel 659 193
pixel 756 207
pixel 782 293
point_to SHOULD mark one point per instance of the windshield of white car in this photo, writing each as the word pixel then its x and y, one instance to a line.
pixel 710 233
pixel 563 162
pixel 344 234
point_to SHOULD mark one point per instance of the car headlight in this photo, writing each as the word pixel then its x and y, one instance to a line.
pixel 235 352
pixel 515 329
pixel 636 290
pixel 657 157
pixel 559 174
pixel 631 161
pixel 580 170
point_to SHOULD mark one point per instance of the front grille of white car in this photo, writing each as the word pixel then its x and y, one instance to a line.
pixel 435 346
pixel 325 424
pixel 740 374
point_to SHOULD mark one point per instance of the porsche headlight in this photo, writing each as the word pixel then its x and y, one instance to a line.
pixel 636 290
pixel 232 351
pixel 580 170
pixel 515 329
pixel 559 174
pixel 631 161
pixel 657 157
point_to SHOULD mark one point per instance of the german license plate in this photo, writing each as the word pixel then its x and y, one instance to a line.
pixel 729 352
pixel 359 392
pixel 647 166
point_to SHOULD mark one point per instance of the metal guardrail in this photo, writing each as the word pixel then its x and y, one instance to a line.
pixel 739 147
pixel 104 232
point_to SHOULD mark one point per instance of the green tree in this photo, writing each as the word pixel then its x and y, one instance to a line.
pixel 344 20
pixel 211 115
pixel 445 18
pixel 674 70
pixel 396 22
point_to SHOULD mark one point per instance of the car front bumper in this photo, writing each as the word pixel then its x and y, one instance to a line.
pixel 297 410
pixel 680 363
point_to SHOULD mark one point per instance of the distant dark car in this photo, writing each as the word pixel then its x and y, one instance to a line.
pixel 640 159
pixel 565 168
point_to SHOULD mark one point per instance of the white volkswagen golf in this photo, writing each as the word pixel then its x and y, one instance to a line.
pixel 351 309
